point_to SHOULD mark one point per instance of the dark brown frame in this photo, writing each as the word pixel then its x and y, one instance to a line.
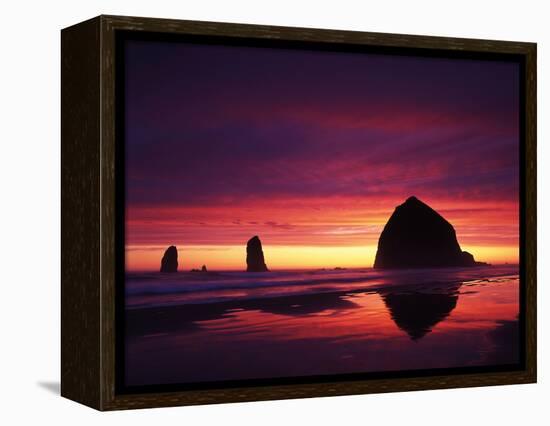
pixel 88 213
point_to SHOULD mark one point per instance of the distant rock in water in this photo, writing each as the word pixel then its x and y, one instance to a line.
pixel 203 269
pixel 169 262
pixel 255 256
pixel 416 236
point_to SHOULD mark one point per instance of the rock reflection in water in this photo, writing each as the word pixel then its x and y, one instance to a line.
pixel 417 313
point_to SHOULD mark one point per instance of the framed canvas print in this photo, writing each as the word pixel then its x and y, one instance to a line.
pixel 254 212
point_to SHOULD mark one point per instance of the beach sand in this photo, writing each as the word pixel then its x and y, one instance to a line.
pixel 224 326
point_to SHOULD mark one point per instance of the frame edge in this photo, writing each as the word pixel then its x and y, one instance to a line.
pixel 80 208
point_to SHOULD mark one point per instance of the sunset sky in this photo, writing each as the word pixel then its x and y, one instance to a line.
pixel 312 151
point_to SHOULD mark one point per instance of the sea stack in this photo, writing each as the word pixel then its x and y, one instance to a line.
pixel 169 262
pixel 416 236
pixel 203 269
pixel 255 256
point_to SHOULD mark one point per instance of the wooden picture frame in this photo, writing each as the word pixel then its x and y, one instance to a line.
pixel 91 199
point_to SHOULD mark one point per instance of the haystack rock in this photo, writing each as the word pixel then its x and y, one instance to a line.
pixel 169 262
pixel 416 236
pixel 203 269
pixel 255 256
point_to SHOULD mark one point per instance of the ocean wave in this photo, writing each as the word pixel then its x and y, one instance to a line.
pixel 154 288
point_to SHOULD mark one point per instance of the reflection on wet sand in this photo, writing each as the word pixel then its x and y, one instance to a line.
pixel 414 312
pixel 399 327
pixel 188 317
pixel 417 313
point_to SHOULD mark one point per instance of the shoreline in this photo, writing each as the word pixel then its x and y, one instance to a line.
pixel 327 269
pixel 435 287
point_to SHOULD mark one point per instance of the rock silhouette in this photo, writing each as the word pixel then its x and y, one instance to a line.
pixel 255 256
pixel 203 269
pixel 169 262
pixel 416 236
